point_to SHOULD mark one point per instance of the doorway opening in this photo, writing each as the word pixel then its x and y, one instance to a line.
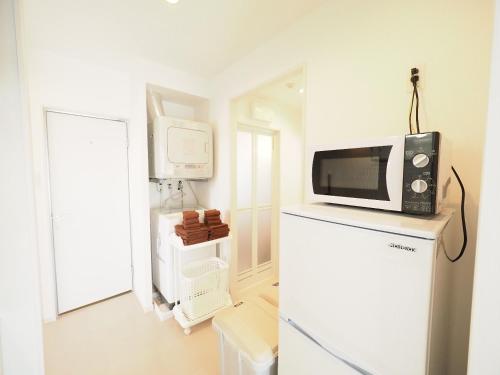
pixel 267 173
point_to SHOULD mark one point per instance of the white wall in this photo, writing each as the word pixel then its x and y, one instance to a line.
pixel 20 313
pixel 485 325
pixel 103 86
pixel 358 55
pixel 288 121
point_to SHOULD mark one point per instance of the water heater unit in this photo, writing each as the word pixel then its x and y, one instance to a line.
pixel 180 149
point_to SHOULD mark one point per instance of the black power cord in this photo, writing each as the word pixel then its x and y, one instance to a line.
pixel 411 111
pixel 414 79
pixel 417 107
pixel 464 224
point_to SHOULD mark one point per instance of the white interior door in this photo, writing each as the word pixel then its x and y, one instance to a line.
pixel 255 204
pixel 88 165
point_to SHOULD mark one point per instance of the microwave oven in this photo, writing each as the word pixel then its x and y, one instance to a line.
pixel 408 174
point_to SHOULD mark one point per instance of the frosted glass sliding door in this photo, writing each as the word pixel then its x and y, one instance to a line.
pixel 255 182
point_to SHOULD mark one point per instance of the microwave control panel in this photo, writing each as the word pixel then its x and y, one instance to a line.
pixel 420 173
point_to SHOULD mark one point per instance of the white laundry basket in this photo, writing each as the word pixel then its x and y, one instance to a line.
pixel 204 287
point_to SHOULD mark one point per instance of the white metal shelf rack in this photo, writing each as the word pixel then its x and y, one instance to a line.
pixel 179 251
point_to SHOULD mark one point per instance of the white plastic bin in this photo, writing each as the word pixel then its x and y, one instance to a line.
pixel 204 287
pixel 248 338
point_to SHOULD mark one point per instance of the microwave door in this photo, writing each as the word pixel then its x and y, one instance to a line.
pixel 364 176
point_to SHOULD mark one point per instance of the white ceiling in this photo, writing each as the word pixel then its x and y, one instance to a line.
pixel 285 90
pixel 198 36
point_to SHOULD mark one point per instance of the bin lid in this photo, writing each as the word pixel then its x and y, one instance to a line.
pixel 253 328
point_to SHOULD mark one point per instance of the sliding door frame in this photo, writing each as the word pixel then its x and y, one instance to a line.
pixel 256 273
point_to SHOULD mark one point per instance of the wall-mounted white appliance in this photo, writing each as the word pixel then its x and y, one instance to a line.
pixel 366 294
pixel 408 174
pixel 180 149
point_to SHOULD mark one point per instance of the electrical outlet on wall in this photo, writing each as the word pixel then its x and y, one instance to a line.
pixel 422 73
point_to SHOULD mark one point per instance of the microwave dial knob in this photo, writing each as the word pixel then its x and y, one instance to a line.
pixel 419 186
pixel 421 160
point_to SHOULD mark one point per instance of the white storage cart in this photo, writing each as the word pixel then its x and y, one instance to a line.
pixel 201 287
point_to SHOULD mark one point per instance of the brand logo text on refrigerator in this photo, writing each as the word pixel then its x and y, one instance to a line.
pixel 402 247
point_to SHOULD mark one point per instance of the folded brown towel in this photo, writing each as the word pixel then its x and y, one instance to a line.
pixel 214 237
pixel 192 225
pixel 224 230
pixel 210 213
pixel 218 235
pixel 184 231
pixel 212 218
pixel 218 231
pixel 212 234
pixel 213 224
pixel 192 228
pixel 190 215
pixel 181 231
pixel 201 238
pixel 192 236
pixel 191 232
pixel 217 226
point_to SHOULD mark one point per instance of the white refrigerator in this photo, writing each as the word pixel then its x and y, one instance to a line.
pixel 361 292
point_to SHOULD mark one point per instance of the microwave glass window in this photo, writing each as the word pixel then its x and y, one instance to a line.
pixel 350 173
pixel 354 173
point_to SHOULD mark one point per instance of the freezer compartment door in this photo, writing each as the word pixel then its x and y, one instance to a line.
pixel 366 293
pixel 298 355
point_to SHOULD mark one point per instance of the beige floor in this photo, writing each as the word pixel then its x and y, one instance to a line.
pixel 116 337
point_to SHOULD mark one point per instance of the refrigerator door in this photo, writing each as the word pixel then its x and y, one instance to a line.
pixel 362 292
pixel 299 355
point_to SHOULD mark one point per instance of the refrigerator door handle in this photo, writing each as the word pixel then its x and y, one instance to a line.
pixel 329 351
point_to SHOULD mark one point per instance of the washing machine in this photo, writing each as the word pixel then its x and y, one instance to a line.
pixel 163 224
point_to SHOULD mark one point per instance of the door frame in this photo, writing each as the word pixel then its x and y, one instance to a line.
pixel 236 284
pixel 52 270
pixel 234 119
